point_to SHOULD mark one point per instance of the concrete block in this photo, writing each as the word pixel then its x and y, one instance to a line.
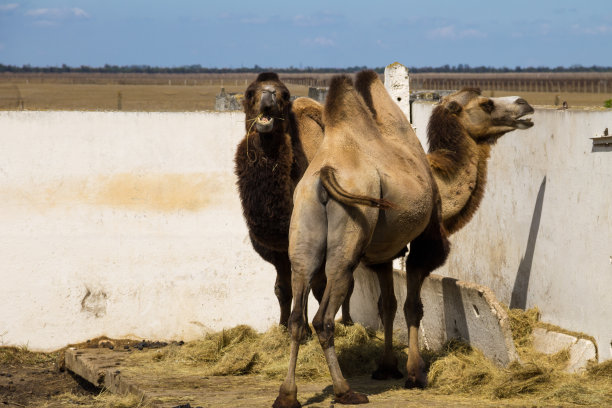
pixel 452 310
pixel 550 342
pixel 319 94
pixel 581 353
pixel 461 310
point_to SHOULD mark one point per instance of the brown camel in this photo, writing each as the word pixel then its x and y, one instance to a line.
pixel 461 131
pixel 367 193
pixel 282 137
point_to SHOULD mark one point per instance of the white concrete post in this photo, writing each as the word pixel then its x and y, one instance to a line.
pixel 398 86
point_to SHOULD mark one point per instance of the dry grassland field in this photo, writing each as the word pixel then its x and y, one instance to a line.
pixel 183 93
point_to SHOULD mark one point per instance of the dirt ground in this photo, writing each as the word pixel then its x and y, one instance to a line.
pixel 43 385
pixel 35 380
pixel 37 383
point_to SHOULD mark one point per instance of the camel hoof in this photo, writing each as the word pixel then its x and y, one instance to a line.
pixel 284 402
pixel 416 382
pixel 387 372
pixel 347 322
pixel 351 397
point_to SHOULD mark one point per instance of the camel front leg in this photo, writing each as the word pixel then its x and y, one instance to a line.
pixel 413 311
pixel 427 252
pixel 282 288
pixel 387 367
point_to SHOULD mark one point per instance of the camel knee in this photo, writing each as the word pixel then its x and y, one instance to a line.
pixel 325 331
pixel 283 293
pixel 296 325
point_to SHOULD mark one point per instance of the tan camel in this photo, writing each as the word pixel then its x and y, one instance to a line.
pixel 461 131
pixel 367 193
pixel 282 137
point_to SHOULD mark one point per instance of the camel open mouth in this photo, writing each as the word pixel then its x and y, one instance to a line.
pixel 264 123
pixel 525 123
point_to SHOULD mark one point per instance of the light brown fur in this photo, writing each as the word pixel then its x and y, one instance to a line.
pixel 374 155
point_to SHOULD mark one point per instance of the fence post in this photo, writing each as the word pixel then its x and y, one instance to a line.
pixel 397 83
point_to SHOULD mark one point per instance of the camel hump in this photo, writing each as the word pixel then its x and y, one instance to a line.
pixel 384 109
pixel 340 92
pixel 366 78
pixel 327 174
pixel 267 76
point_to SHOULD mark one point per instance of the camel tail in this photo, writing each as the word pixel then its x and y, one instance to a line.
pixel 330 183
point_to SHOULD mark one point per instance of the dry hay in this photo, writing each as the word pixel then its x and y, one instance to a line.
pixel 241 350
pixel 541 378
pixel 456 370
pixel 21 356
pixel 103 400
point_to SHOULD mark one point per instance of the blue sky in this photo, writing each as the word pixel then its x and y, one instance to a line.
pixel 318 33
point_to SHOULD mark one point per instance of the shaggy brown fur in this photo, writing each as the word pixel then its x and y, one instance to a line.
pixel 268 166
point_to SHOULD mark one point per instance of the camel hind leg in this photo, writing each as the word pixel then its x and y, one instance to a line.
pixel 427 252
pixel 307 252
pixel 348 233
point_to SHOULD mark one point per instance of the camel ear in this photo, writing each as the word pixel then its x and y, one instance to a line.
pixel 454 107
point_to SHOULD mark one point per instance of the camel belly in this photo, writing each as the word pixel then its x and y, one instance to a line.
pixel 397 227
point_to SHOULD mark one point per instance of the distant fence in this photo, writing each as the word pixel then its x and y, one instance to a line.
pixel 589 82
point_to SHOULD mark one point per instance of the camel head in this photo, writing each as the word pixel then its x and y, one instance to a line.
pixel 487 119
pixel 266 104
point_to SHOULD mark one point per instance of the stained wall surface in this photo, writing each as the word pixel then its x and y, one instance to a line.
pixel 129 224
pixel 543 234
pixel 124 224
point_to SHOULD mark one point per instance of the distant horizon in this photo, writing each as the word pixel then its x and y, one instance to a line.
pixel 197 68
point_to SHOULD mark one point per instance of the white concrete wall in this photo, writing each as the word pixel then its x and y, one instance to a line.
pixel 543 234
pixel 124 224
pixel 129 224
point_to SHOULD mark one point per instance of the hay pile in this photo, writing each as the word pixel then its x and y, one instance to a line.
pixel 241 350
pixel 459 369
pixel 456 370
pixel 103 400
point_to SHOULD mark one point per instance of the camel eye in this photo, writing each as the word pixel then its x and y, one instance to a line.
pixel 249 94
pixel 286 95
pixel 488 106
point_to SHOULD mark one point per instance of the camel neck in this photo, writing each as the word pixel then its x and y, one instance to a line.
pixel 270 144
pixel 264 171
pixel 461 184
